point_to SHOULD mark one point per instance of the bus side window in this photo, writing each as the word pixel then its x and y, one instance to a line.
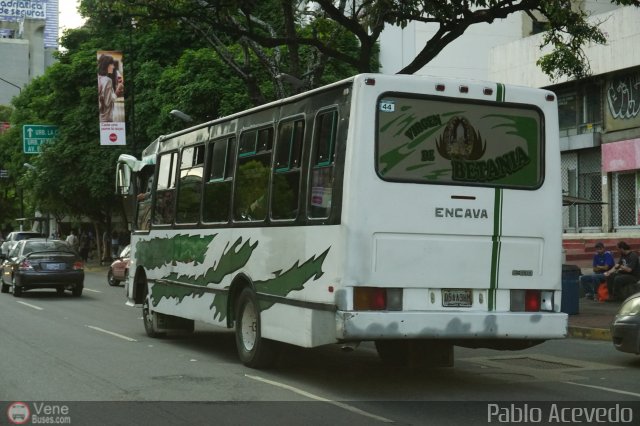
pixel 166 189
pixel 285 191
pixel 322 162
pixel 190 185
pixel 252 177
pixel 218 180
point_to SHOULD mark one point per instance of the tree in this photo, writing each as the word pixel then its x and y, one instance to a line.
pixel 313 25
pixel 242 33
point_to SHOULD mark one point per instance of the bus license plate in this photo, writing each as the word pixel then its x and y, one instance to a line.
pixel 457 298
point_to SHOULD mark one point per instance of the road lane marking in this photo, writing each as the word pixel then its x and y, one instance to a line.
pixel 30 305
pixel 605 389
pixel 321 399
pixel 129 339
pixel 94 291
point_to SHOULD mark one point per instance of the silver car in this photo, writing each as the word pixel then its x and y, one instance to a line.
pixel 625 329
pixel 13 238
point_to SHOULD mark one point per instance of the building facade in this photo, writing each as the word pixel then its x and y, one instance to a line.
pixel 28 38
pixel 599 116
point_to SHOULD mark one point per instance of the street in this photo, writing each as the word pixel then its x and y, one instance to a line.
pixel 94 348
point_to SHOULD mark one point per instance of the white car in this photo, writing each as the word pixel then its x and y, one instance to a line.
pixel 13 238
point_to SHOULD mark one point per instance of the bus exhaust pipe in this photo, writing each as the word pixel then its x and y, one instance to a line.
pixel 349 347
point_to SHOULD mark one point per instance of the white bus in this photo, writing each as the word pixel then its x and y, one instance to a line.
pixel 419 213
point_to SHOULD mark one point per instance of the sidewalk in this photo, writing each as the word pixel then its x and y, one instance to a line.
pixel 93 265
pixel 593 320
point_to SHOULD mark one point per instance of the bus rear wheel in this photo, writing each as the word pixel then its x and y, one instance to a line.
pixel 254 351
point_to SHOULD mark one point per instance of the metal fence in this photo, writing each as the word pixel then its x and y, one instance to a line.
pixel 581 177
pixel 625 207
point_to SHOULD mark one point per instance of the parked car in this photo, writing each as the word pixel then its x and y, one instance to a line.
pixel 13 238
pixel 625 329
pixel 42 263
pixel 119 269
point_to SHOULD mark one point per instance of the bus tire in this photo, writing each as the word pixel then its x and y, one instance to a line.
pixel 253 350
pixel 148 316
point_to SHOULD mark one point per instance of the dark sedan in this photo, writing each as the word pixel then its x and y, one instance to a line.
pixel 41 263
pixel 625 329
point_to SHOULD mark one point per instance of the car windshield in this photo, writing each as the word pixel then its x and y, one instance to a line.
pixel 33 246
pixel 25 235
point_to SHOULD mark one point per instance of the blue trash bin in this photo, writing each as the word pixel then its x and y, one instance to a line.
pixel 570 289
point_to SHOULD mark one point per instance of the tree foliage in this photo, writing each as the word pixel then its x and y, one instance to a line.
pixel 302 37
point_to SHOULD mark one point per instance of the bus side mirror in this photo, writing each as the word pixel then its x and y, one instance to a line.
pixel 123 180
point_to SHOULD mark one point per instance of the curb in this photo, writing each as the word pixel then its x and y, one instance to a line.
pixel 590 333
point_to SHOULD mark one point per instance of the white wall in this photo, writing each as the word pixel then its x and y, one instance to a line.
pixel 515 63
pixel 499 52
pixel 466 57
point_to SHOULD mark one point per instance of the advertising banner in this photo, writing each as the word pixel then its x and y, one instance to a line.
pixel 14 10
pixel 111 98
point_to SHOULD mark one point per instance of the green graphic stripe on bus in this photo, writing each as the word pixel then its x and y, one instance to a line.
pixel 292 279
pixel 500 92
pixel 495 249
pixel 281 285
pixel 232 259
pixel 158 252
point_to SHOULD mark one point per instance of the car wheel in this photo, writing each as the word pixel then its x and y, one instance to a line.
pixel 17 290
pixel 77 290
pixel 254 351
pixel 111 280
pixel 5 287
pixel 148 316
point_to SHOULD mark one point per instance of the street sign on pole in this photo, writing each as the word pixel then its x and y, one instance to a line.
pixel 34 135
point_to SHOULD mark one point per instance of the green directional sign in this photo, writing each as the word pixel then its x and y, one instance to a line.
pixel 34 135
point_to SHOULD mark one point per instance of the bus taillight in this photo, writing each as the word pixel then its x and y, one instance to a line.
pixel 377 299
pixel 532 301
pixel 369 299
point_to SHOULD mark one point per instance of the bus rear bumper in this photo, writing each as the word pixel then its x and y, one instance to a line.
pixel 371 325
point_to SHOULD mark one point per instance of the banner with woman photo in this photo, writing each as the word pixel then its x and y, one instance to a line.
pixel 111 98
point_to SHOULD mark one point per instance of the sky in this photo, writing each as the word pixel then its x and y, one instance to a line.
pixel 68 17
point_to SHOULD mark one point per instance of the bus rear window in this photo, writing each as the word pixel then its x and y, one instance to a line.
pixel 427 140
